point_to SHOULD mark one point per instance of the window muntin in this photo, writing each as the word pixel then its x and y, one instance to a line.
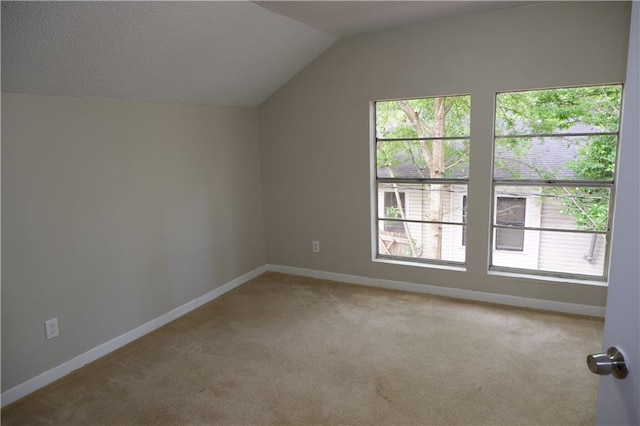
pixel 422 149
pixel 557 149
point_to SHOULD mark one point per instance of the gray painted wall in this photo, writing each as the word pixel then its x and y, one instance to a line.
pixel 315 131
pixel 114 213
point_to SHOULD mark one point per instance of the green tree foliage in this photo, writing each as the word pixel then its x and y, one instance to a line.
pixel 416 118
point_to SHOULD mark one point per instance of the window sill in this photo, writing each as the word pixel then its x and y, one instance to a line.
pixel 458 268
pixel 522 277
pixel 534 277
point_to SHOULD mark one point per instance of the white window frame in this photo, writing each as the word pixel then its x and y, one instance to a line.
pixel 375 181
pixel 610 184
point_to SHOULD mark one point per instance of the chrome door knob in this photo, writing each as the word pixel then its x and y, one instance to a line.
pixel 610 363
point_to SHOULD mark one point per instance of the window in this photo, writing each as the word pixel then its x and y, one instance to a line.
pixel 554 160
pixel 510 211
pixel 422 152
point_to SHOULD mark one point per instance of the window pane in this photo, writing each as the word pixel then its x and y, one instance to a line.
pixel 509 239
pixel 568 252
pixel 441 203
pixel 569 208
pixel 556 158
pixel 510 211
pixel 422 241
pixel 392 203
pixel 581 109
pixel 413 159
pixel 430 117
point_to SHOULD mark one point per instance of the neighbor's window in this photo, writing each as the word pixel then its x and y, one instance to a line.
pixel 553 180
pixel 510 211
pixel 422 169
pixel 464 220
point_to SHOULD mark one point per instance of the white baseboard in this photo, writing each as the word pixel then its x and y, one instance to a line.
pixel 67 367
pixel 501 299
pixel 91 355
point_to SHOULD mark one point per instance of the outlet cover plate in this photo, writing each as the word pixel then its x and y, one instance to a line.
pixel 51 328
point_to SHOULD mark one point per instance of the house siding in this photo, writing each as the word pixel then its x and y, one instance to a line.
pixel 452 248
pixel 564 251
pixel 544 251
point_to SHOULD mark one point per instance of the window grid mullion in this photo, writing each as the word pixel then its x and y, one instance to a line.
pixel 555 135
pixel 424 181
pixel 545 229
pixel 388 219
pixel 430 138
pixel 556 183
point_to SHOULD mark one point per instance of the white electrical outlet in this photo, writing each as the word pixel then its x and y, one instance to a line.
pixel 315 246
pixel 51 328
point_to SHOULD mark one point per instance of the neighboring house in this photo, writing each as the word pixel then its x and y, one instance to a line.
pixel 513 205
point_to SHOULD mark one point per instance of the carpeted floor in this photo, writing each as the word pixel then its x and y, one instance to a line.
pixel 290 350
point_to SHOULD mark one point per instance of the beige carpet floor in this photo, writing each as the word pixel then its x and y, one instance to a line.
pixel 290 350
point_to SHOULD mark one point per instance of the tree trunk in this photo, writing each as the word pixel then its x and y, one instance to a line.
pixel 433 237
pixel 407 230
pixel 433 153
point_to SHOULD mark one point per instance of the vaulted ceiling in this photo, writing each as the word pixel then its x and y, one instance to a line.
pixel 214 53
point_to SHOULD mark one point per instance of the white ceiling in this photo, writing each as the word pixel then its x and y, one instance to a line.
pixel 218 53
pixel 215 53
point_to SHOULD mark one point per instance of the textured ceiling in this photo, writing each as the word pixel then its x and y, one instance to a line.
pixel 347 18
pixel 216 53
